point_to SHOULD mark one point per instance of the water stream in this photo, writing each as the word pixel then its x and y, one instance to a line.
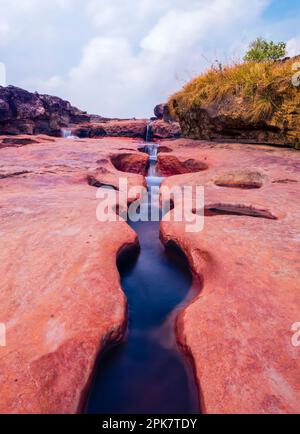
pixel 148 131
pixel 66 133
pixel 148 373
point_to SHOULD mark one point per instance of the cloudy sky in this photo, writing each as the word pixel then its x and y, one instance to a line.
pixel 121 57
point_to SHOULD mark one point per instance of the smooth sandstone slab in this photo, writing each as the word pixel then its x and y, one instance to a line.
pixel 60 294
pixel 60 298
pixel 238 330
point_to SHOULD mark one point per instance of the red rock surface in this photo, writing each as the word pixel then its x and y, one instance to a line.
pixel 238 329
pixel 60 297
pixel 135 128
pixel 113 128
pixel 165 130
pixel 172 165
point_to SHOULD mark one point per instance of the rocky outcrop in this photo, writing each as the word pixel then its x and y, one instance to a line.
pixel 224 122
pixel 22 112
pixel 241 329
pixel 60 299
pixel 134 128
pixel 251 103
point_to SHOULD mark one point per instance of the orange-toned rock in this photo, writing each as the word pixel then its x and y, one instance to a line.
pixel 131 162
pixel 113 128
pixel 60 299
pixel 239 328
pixel 135 128
pixel 171 165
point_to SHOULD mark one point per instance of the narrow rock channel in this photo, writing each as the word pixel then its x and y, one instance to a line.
pixel 148 373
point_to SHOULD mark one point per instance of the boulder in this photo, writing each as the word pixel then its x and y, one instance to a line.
pixel 114 128
pixel 161 129
pixel 161 111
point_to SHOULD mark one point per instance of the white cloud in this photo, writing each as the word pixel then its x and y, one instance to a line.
pixel 4 32
pixel 2 74
pixel 120 58
pixel 293 46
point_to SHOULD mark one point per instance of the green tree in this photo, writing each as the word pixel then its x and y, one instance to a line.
pixel 261 50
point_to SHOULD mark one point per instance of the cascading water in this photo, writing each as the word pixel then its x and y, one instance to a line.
pixel 66 133
pixel 148 373
pixel 148 131
pixel 152 150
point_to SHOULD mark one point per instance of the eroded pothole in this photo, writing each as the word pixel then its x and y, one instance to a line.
pixel 131 163
pixel 237 210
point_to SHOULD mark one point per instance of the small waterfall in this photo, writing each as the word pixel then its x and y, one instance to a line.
pixel 153 178
pixel 66 133
pixel 148 132
pixel 152 150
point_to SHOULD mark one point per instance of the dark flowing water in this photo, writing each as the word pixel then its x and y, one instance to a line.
pixel 148 373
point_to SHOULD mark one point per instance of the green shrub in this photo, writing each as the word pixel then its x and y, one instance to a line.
pixel 261 50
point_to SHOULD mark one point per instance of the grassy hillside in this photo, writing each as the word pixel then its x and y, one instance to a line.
pixel 249 101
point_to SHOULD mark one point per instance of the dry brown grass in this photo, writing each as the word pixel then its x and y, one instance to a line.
pixel 263 87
